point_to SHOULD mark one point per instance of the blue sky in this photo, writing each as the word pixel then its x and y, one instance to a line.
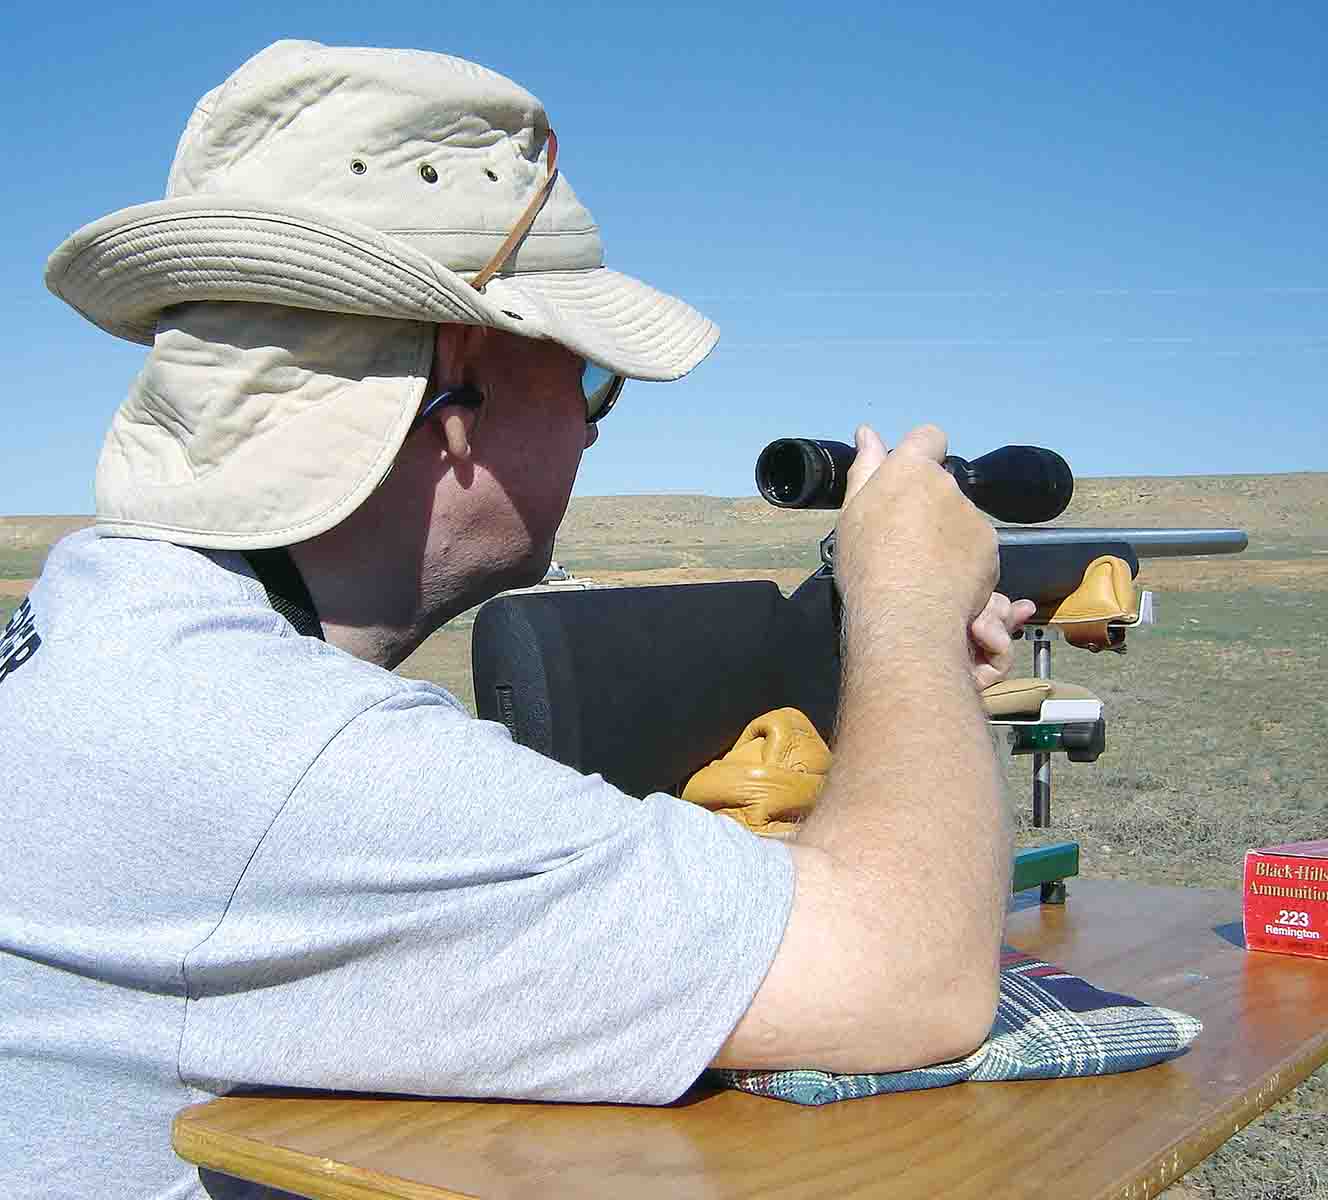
pixel 1097 228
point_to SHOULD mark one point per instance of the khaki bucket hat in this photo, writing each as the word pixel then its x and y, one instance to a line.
pixel 397 189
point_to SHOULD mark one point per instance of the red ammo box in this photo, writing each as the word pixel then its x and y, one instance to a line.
pixel 1286 899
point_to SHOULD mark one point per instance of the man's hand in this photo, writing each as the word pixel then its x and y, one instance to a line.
pixel 910 545
pixel 990 637
pixel 990 631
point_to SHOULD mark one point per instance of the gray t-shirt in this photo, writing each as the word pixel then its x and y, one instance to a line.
pixel 237 857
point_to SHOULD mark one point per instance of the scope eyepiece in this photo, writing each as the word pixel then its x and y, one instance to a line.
pixel 804 473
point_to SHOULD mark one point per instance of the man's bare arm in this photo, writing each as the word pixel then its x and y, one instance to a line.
pixel 891 953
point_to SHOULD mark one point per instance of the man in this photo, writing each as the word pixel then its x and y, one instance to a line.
pixel 240 852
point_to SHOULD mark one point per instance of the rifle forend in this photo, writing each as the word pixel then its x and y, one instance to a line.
pixel 1046 565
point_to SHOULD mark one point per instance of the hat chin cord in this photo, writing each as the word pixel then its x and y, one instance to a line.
pixel 524 222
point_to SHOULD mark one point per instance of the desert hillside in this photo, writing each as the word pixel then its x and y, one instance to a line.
pixel 645 539
pixel 1278 510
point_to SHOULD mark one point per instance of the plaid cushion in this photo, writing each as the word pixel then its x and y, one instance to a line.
pixel 1049 1024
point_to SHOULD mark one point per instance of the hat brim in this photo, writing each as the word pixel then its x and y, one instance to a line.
pixel 120 273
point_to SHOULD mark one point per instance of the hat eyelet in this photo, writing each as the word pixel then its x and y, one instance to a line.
pixel 493 175
pixel 358 166
pixel 428 174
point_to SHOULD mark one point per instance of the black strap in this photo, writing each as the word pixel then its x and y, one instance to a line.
pixel 285 589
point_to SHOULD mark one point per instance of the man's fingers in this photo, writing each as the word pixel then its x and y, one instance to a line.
pixel 926 441
pixel 995 656
pixel 1020 613
pixel 1001 617
pixel 871 454
pixel 987 674
pixel 990 628
pixel 990 635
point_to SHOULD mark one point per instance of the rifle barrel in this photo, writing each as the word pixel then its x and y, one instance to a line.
pixel 1147 543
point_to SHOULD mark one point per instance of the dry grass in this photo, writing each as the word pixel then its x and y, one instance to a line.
pixel 1215 745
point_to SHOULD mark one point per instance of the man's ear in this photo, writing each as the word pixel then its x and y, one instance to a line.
pixel 454 346
pixel 458 423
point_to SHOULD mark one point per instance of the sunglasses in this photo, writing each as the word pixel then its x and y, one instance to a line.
pixel 600 388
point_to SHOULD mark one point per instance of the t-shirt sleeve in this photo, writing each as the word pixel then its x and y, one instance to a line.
pixel 438 911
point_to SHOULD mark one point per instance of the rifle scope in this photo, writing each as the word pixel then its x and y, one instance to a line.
pixel 1022 484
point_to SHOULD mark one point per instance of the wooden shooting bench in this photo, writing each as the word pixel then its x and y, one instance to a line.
pixel 1120 1136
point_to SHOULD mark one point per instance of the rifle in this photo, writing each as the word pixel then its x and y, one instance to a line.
pixel 1081 579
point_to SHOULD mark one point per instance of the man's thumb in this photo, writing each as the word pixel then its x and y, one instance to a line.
pixel 871 454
